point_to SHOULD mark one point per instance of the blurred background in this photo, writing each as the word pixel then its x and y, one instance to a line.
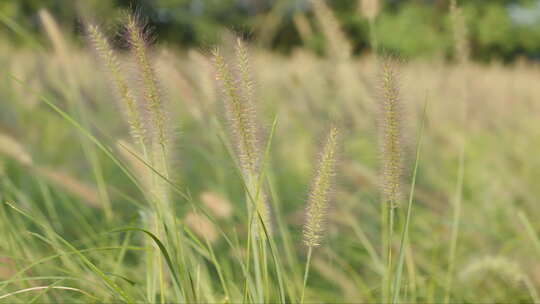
pixel 501 30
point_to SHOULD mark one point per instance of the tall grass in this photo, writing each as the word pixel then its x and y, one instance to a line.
pixel 106 202
pixel 392 150
pixel 319 196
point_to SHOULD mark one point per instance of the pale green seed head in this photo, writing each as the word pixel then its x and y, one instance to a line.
pixel 128 102
pixel 391 132
pixel 321 188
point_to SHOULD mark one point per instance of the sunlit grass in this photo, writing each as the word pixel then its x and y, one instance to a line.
pixel 92 212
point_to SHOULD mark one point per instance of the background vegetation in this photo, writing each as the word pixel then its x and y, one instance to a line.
pixel 91 214
pixel 413 28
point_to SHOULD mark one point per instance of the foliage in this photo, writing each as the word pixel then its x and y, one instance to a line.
pixel 412 28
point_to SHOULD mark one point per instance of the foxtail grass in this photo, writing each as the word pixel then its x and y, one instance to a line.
pixel 319 198
pixel 158 137
pixel 128 102
pixel 391 132
pixel 137 38
pixel 391 143
pixel 158 146
pixel 303 27
pixel 13 149
pixel 319 194
pixel 152 138
pixel 237 93
pixel 338 46
pixel 370 10
pixel 462 56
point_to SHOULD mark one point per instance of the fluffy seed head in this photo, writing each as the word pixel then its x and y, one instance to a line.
pixel 202 226
pixel 140 170
pixel 217 204
pixel 54 33
pixel 391 131
pixel 369 8
pixel 246 83
pixel 136 37
pixel 489 265
pixel 15 150
pixel 85 192
pixel 237 91
pixel 108 57
pixel 319 194
pixel 239 109
pixel 338 47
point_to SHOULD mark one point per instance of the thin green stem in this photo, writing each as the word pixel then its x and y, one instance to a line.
pixel 248 263
pixel 455 226
pixel 387 233
pixel 265 269
pixel 306 274
pixel 385 245
pixel 257 268
pixel 390 238
pixel 405 231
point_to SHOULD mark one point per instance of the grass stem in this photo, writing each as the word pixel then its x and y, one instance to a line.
pixel 306 273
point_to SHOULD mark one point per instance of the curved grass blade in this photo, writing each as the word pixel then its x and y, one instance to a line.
pixel 47 287
pixel 161 248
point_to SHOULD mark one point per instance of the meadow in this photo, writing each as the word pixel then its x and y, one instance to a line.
pixel 237 175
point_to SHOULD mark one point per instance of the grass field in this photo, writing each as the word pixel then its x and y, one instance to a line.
pixel 229 190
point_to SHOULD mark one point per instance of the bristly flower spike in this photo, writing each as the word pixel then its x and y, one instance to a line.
pixel 319 197
pixel 240 111
pixel 237 89
pixel 321 188
pixel 391 127
pixel 136 38
pixel 111 63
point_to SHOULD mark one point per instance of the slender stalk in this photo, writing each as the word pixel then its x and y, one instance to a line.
pixel 265 269
pixel 391 162
pixel 387 233
pixel 455 226
pixel 391 216
pixel 248 263
pixel 257 267
pixel 405 231
pixel 530 230
pixel 319 197
pixel 306 273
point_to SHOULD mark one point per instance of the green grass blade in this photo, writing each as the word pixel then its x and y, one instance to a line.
pixel 20 31
pixel 455 225
pixel 530 230
pixel 78 252
pixel 405 232
pixel 162 248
